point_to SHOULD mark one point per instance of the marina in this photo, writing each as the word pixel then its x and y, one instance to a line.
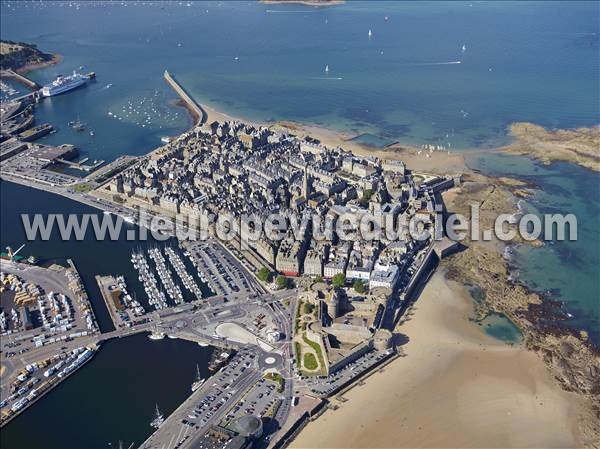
pixel 155 295
pixel 187 280
pixel 165 275
pixel 123 309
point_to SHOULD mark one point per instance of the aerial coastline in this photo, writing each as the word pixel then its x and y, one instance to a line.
pixel 498 195
pixel 450 384
pixel 454 387
pixel 568 357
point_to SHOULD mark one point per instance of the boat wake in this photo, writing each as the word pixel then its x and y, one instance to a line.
pixel 437 63
pixel 334 78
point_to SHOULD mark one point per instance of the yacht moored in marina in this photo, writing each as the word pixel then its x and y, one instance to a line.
pixel 156 336
pixel 199 381
pixel 158 419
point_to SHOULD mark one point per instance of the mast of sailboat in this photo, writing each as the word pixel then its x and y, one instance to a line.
pixel 198 378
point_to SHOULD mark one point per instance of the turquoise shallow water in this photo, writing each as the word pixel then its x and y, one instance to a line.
pixel 500 327
pixel 566 270
pixel 533 62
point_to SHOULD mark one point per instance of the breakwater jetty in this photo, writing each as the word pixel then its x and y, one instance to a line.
pixel 197 111
pixel 9 73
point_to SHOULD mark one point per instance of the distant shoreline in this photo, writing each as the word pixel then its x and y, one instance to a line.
pixel 23 57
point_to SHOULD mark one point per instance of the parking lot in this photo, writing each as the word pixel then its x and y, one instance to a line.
pixel 326 386
pixel 208 405
pixel 222 272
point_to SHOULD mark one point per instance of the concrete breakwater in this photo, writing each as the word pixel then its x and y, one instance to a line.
pixel 9 73
pixel 197 111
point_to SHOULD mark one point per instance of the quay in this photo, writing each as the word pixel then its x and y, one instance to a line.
pixel 81 165
pixel 109 292
pixel 196 110
pixel 45 388
pixel 9 73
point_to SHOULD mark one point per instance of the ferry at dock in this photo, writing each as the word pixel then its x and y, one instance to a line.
pixel 64 84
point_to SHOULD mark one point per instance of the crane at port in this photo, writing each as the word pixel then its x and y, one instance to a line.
pixel 12 254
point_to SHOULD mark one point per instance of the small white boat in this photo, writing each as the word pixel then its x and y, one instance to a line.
pixel 156 336
pixel 464 48
pixel 327 68
pixel 158 419
pixel 370 33
pixel 199 381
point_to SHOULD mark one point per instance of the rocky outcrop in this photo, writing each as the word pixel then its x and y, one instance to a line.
pixel 568 354
pixel 580 146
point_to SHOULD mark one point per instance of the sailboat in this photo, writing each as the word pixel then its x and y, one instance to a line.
pixel 158 419
pixel 464 48
pixel 327 68
pixel 199 381
pixel 370 33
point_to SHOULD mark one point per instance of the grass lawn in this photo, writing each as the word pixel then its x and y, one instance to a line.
pixel 317 347
pixel 310 362
pixel 82 187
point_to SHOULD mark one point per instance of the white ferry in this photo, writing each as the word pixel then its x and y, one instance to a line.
pixel 64 84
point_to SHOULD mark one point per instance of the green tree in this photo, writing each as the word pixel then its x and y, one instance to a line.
pixel 264 274
pixel 339 280
pixel 367 194
pixel 308 308
pixel 318 279
pixel 359 286
pixel 281 281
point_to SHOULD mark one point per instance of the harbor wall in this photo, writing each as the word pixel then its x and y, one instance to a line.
pixel 20 78
pixel 199 114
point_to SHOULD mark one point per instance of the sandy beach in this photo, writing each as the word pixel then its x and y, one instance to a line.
pixel 455 387
pixel 436 162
